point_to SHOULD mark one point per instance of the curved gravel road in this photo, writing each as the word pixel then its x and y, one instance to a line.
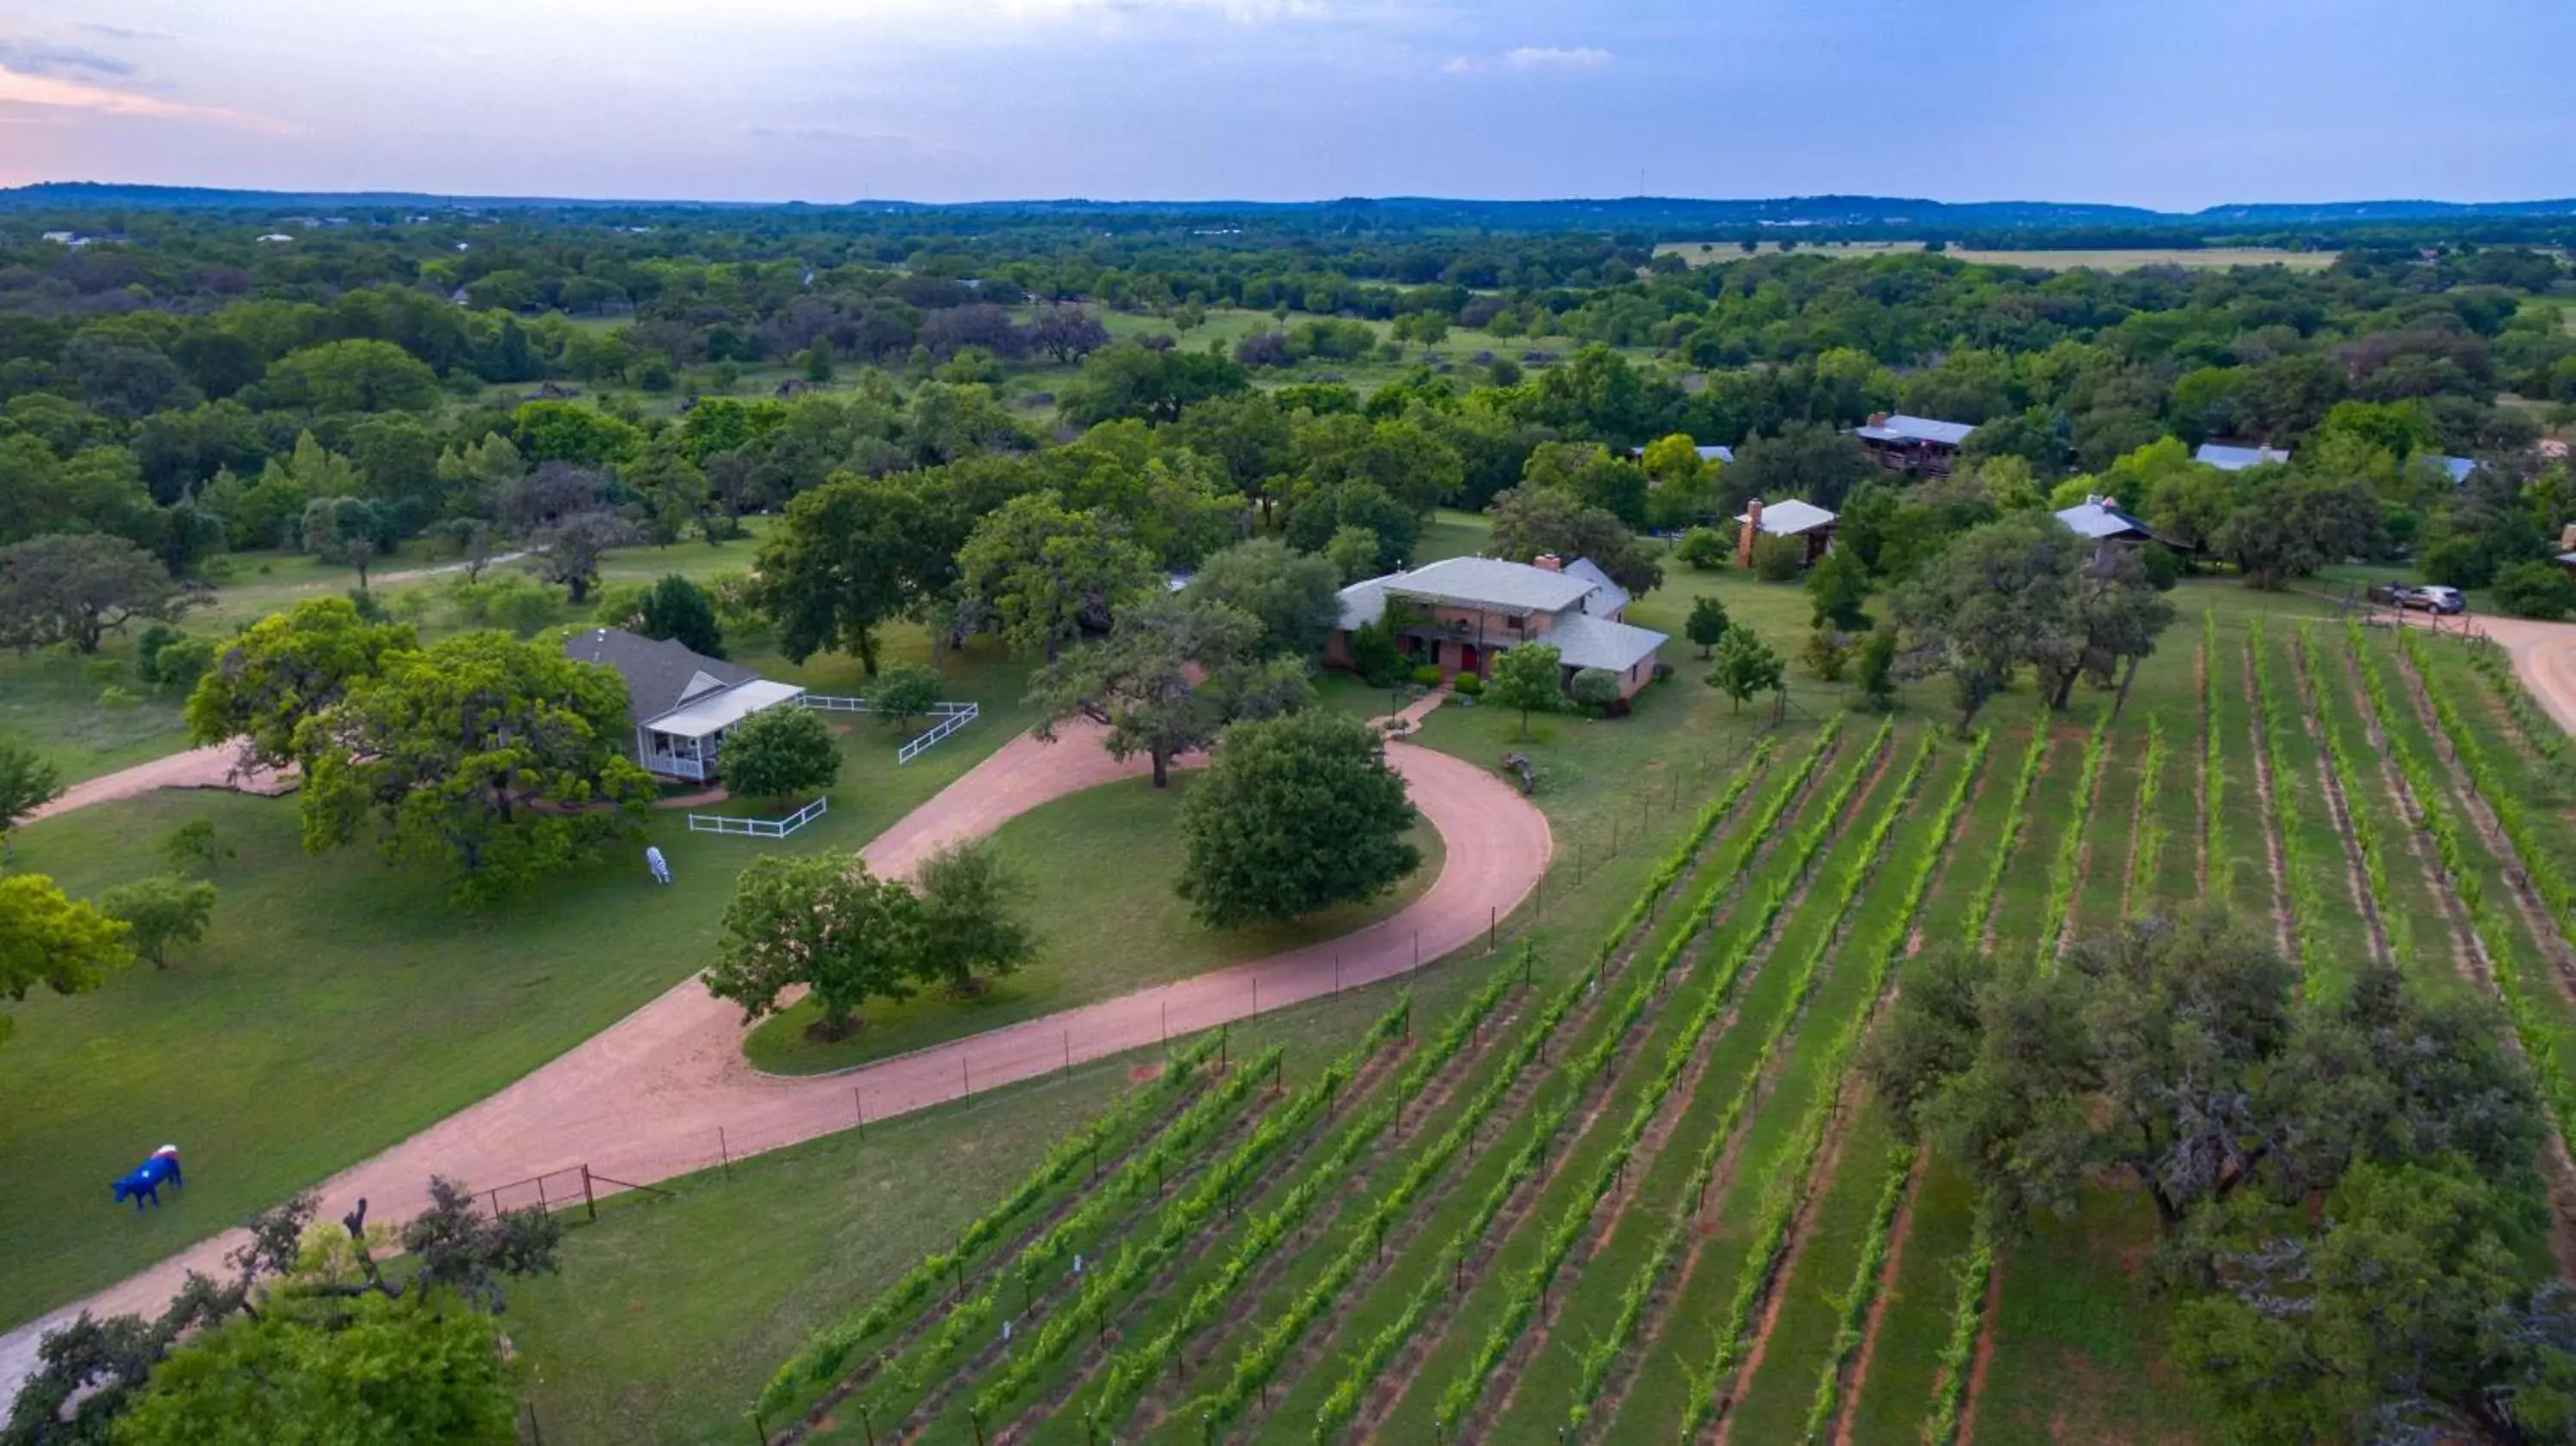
pixel 644 1099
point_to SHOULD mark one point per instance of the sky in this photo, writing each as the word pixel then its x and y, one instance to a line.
pixel 2174 104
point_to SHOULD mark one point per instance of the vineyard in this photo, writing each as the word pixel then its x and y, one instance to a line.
pixel 1643 1194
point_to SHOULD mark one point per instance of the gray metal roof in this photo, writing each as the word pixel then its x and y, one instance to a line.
pixel 1902 428
pixel 2459 468
pixel 2093 520
pixel 2236 459
pixel 1487 582
pixel 660 674
pixel 1789 517
pixel 1583 641
pixel 1606 597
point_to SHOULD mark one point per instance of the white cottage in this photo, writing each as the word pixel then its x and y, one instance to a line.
pixel 682 701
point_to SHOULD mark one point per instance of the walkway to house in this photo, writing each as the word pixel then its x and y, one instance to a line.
pixel 1408 718
pixel 645 1099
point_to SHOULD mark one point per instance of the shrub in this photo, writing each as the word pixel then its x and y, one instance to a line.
pixel 1595 688
pixel 1779 559
pixel 1703 548
pixel 1428 675
pixel 1826 654
pixel 1469 685
pixel 777 752
pixel 2535 590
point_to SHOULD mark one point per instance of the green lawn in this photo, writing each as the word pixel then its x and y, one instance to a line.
pixel 1099 868
pixel 340 1004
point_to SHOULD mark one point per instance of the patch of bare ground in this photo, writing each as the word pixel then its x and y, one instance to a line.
pixel 924 1414
pixel 1856 1377
pixel 2469 957
pixel 978 1279
pixel 2340 807
pixel 2284 930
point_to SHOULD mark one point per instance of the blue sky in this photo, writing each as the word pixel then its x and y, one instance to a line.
pixel 2168 103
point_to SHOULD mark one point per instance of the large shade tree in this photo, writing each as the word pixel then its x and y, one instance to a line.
pixel 824 922
pixel 271 676
pixel 1294 814
pixel 1144 681
pixel 500 759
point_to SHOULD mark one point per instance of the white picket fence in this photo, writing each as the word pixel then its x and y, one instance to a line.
pixel 951 716
pixel 758 827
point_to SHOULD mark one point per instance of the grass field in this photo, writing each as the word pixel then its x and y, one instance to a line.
pixel 57 702
pixel 338 1004
pixel 1591 1203
pixel 1098 867
pixel 1598 1205
pixel 2190 257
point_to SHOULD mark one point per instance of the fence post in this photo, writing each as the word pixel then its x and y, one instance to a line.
pixel 724 1152
pixel 858 1101
pixel 1068 1054
pixel 589 1200
pixel 1493 925
pixel 541 1196
pixel 966 1076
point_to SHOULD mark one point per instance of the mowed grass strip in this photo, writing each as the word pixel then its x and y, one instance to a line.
pixel 1552 1149
pixel 1509 1296
pixel 1665 1390
pixel 1607 1298
pixel 1098 870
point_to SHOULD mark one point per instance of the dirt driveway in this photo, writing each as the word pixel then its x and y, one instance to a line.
pixel 644 1099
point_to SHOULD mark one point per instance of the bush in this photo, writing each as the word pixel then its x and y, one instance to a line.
pixel 1428 675
pixel 510 600
pixel 778 752
pixel 2535 590
pixel 1779 559
pixel 1703 548
pixel 1826 654
pixel 2461 562
pixel 2163 568
pixel 1595 688
pixel 1878 669
pixel 1469 685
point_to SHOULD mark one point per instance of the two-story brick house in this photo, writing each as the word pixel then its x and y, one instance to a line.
pixel 1459 613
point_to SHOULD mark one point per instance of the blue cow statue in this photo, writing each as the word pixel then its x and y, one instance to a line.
pixel 148 1177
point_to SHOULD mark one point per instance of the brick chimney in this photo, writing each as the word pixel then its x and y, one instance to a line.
pixel 1752 530
pixel 1878 419
pixel 1548 562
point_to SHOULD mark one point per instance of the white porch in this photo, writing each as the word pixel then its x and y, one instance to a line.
pixel 684 743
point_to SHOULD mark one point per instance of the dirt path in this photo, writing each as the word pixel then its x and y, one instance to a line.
pixel 196 768
pixel 645 1099
pixel 2544 654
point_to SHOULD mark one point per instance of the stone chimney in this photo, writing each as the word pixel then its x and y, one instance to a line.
pixel 1878 419
pixel 1752 530
pixel 1548 562
pixel 2567 538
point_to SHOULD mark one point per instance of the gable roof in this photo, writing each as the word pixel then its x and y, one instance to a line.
pixel 1606 597
pixel 2236 459
pixel 660 674
pixel 2459 468
pixel 1789 517
pixel 1902 428
pixel 1584 641
pixel 1490 581
pixel 2091 519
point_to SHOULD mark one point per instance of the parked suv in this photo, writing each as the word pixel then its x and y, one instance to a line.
pixel 2434 599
